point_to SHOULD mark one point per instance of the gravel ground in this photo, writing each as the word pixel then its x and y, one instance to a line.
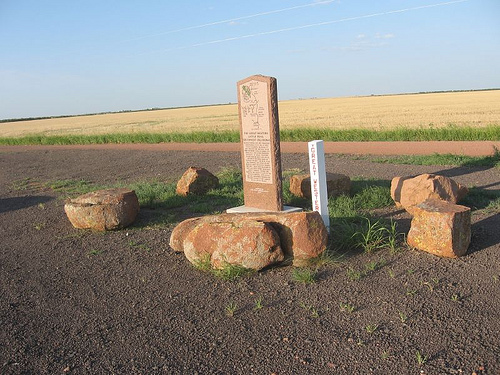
pixel 80 302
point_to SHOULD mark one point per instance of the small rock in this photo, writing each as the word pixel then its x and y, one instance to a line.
pixel 103 209
pixel 196 181
pixel 440 228
pixel 337 184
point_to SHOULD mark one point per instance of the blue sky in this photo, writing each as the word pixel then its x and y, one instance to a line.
pixel 74 57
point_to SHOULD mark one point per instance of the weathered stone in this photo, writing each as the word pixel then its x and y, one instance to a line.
pixel 337 184
pixel 440 228
pixel 103 209
pixel 410 191
pixel 180 232
pixel 260 143
pixel 196 181
pixel 250 244
pixel 302 235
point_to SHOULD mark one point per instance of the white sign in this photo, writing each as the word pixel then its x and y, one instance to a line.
pixel 319 194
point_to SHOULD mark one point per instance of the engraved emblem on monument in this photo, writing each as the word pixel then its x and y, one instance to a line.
pixel 255 132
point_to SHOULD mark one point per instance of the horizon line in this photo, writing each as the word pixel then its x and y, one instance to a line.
pixel 34 118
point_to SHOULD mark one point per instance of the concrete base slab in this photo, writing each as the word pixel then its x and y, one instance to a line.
pixel 245 209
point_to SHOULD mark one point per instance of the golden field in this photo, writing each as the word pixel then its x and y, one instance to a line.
pixel 478 108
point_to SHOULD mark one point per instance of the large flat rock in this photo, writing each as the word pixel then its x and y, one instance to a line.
pixel 302 235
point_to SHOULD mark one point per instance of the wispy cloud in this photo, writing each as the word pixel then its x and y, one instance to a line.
pixel 364 42
pixel 314 3
pixel 366 16
pixel 384 36
pixel 321 2
pixel 296 51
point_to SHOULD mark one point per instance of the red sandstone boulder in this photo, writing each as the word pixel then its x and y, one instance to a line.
pixel 440 228
pixel 337 184
pixel 250 244
pixel 410 191
pixel 180 233
pixel 103 209
pixel 303 235
pixel 196 181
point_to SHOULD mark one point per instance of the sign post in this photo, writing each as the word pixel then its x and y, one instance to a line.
pixel 319 193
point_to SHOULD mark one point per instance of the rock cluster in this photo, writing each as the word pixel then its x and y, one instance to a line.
pixel 439 225
pixel 196 181
pixel 337 184
pixel 103 209
pixel 251 240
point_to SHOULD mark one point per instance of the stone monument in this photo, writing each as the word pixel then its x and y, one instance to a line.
pixel 260 145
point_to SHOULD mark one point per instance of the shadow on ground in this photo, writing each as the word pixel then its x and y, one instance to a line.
pixel 485 233
pixel 18 203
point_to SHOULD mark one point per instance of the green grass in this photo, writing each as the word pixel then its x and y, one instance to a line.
pixel 158 198
pixel 314 311
pixel 374 265
pixel 353 228
pixel 329 257
pixel 366 195
pixel 39 226
pixel 203 264
pixel 137 245
pixel 192 137
pixel 258 304
pixel 365 234
pixel 445 159
pixel 354 274
pixel 22 184
pixel 421 359
pixel 231 308
pixel 230 272
pixel 72 186
pixel 345 306
pixel 304 275
pixel 95 252
pixel 478 199
pixel 370 328
pixel 402 317
pixel 449 133
pixel 157 194
pixel 351 224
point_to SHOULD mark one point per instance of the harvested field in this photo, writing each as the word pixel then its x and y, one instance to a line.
pixel 476 108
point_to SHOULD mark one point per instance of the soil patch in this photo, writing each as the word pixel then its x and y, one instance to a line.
pixel 74 301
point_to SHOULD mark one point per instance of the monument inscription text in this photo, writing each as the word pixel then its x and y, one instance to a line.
pixel 255 132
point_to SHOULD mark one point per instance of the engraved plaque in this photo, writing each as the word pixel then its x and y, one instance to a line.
pixel 260 144
pixel 255 132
